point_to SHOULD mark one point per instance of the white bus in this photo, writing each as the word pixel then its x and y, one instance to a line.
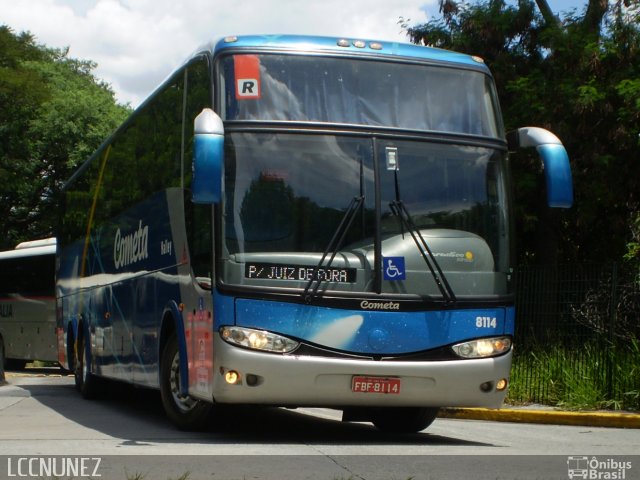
pixel 302 221
pixel 27 303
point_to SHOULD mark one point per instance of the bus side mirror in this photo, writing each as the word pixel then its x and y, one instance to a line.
pixel 557 169
pixel 208 158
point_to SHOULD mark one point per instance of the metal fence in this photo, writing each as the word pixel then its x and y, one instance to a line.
pixel 577 336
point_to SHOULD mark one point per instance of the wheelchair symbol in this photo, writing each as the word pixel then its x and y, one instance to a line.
pixel 394 268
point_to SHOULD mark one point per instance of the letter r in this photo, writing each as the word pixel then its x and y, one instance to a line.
pixel 248 88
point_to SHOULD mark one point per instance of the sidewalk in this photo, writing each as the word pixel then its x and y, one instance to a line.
pixel 546 415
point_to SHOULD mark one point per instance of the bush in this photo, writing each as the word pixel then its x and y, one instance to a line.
pixel 593 376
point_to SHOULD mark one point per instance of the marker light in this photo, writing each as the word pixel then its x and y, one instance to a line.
pixel 343 42
pixel 502 384
pixel 231 377
pixel 485 347
pixel 258 339
pixel 359 43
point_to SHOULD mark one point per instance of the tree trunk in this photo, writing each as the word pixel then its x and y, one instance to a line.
pixel 596 11
pixel 592 20
pixel 549 18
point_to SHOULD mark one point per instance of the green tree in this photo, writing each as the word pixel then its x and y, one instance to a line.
pixel 578 76
pixel 53 114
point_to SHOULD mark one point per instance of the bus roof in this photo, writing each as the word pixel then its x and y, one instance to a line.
pixel 37 243
pixel 33 248
pixel 346 45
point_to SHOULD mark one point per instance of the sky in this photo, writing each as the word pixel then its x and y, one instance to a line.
pixel 138 43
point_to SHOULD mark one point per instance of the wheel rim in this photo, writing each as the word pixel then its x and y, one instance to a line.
pixel 79 363
pixel 85 368
pixel 184 402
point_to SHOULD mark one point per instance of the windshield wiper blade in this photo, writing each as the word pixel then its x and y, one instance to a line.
pixel 399 209
pixel 311 289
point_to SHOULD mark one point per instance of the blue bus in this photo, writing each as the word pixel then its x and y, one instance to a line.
pixel 302 221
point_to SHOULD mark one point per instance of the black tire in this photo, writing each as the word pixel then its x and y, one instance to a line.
pixel 14 364
pixel 86 382
pixel 184 411
pixel 403 419
pixel 2 359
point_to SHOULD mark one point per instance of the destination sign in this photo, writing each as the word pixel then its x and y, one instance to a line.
pixel 305 273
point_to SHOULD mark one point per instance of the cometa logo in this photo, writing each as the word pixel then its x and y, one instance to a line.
pixel 131 248
pixel 365 305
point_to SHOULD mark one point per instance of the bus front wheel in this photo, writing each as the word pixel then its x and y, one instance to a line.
pixel 184 411
pixel 403 419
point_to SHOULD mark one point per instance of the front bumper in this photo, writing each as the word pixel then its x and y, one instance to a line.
pixel 296 380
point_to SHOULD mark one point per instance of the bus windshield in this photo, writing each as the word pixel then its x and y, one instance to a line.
pixel 286 195
pixel 297 88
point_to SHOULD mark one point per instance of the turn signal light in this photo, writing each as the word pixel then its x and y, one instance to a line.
pixel 502 384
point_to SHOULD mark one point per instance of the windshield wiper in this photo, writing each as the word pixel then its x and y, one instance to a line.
pixel 311 289
pixel 399 209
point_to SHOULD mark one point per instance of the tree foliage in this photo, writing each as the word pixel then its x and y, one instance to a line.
pixel 53 114
pixel 578 76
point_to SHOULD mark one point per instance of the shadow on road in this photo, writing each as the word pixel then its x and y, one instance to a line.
pixel 135 415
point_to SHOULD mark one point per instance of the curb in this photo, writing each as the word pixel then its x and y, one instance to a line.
pixel 554 417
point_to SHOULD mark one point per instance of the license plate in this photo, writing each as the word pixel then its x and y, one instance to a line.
pixel 375 385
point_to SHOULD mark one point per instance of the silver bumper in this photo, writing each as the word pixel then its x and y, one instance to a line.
pixel 326 382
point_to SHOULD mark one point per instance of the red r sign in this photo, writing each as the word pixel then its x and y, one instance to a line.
pixel 247 76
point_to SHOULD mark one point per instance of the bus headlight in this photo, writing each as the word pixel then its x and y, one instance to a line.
pixel 485 347
pixel 258 339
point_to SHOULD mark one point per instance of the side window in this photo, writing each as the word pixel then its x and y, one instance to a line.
pixel 29 276
pixel 76 204
pixel 119 186
pixel 159 139
pixel 145 158
pixel 11 278
pixel 198 218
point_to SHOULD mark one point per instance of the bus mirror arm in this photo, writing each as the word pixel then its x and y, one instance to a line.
pixel 208 158
pixel 555 160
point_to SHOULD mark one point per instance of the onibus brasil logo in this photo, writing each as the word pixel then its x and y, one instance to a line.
pixel 597 469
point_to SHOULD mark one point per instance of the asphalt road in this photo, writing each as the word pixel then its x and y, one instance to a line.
pixel 43 417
